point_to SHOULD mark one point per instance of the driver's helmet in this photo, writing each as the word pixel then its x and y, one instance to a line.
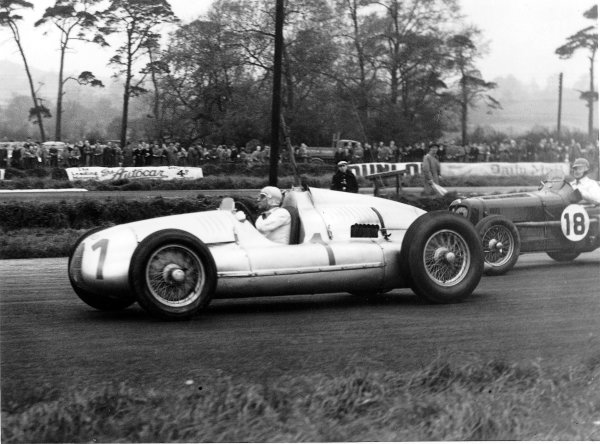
pixel 581 162
pixel 273 195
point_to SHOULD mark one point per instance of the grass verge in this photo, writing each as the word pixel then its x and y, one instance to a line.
pixel 50 229
pixel 448 401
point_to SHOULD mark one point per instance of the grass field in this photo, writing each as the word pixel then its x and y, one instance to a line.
pixel 444 401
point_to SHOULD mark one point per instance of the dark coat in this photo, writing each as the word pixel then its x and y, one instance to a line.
pixel 344 181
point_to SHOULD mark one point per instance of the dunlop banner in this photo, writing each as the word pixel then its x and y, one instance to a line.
pixel 450 169
pixel 134 173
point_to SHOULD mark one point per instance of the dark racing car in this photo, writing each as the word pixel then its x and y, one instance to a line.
pixel 548 220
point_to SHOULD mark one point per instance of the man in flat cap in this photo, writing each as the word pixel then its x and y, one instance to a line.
pixel 343 179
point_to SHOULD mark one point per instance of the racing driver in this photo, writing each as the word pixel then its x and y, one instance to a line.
pixel 588 188
pixel 274 222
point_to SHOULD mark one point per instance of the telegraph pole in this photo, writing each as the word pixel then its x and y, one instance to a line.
pixel 560 86
pixel 276 104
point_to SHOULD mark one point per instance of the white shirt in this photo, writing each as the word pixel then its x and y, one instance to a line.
pixel 589 189
pixel 275 225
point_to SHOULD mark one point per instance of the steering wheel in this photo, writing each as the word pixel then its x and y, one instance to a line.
pixel 249 216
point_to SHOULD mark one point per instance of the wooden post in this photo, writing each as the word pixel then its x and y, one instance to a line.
pixel 560 82
pixel 276 103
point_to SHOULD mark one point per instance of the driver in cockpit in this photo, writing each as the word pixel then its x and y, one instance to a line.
pixel 588 188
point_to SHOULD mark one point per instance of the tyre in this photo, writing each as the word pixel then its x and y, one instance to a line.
pixel 173 274
pixel 97 301
pixel 501 244
pixel 563 256
pixel 444 257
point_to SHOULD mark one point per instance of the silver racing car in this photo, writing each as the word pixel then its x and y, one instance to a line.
pixel 340 242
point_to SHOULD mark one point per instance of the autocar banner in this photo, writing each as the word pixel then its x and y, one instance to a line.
pixel 451 169
pixel 134 173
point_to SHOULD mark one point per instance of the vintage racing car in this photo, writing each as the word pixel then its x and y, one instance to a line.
pixel 548 220
pixel 340 242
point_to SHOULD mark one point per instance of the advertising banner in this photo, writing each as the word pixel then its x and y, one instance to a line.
pixel 134 173
pixel 364 169
pixel 451 169
pixel 502 169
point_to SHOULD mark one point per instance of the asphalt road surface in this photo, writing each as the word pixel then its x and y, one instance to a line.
pixel 540 310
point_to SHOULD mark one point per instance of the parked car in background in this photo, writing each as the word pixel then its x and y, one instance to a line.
pixel 548 220
pixel 326 154
pixel 340 242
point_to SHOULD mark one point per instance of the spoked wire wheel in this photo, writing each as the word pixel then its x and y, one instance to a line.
pixel 446 258
pixel 501 243
pixel 498 245
pixel 175 275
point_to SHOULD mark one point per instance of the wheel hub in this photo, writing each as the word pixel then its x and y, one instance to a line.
pixel 173 274
pixel 494 244
pixel 444 254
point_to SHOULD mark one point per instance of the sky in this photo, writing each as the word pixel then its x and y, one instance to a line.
pixel 522 37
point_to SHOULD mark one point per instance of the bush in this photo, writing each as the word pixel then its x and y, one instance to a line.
pixel 88 213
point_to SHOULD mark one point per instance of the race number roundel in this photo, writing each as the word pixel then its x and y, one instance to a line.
pixel 574 222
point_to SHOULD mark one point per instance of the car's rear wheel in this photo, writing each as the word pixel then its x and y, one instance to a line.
pixel 443 256
pixel 173 274
pixel 501 244
pixel 97 301
pixel 563 256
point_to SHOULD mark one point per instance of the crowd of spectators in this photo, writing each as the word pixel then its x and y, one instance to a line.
pixel 546 150
pixel 29 154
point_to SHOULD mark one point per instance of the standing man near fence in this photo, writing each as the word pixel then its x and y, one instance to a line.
pixel 431 171
pixel 344 179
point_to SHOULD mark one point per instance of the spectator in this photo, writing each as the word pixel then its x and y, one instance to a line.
pixel 358 153
pixel 193 156
pixel 156 152
pixel 15 161
pixel 98 151
pixel 368 153
pixel 303 153
pixel 181 157
pixel 53 151
pixel 343 179
pixel 431 171
pixel 3 155
pixel 339 155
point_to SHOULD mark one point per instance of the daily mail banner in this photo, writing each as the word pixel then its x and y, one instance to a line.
pixel 134 173
pixel 449 169
pixel 503 169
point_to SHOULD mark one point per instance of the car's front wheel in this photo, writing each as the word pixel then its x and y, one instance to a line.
pixel 443 256
pixel 563 256
pixel 501 244
pixel 173 274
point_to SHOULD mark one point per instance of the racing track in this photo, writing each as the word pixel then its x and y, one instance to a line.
pixel 541 309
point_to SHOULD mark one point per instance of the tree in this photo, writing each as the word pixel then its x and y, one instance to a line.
pixel 10 18
pixel 137 21
pixel 471 86
pixel 361 49
pixel 586 39
pixel 75 20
